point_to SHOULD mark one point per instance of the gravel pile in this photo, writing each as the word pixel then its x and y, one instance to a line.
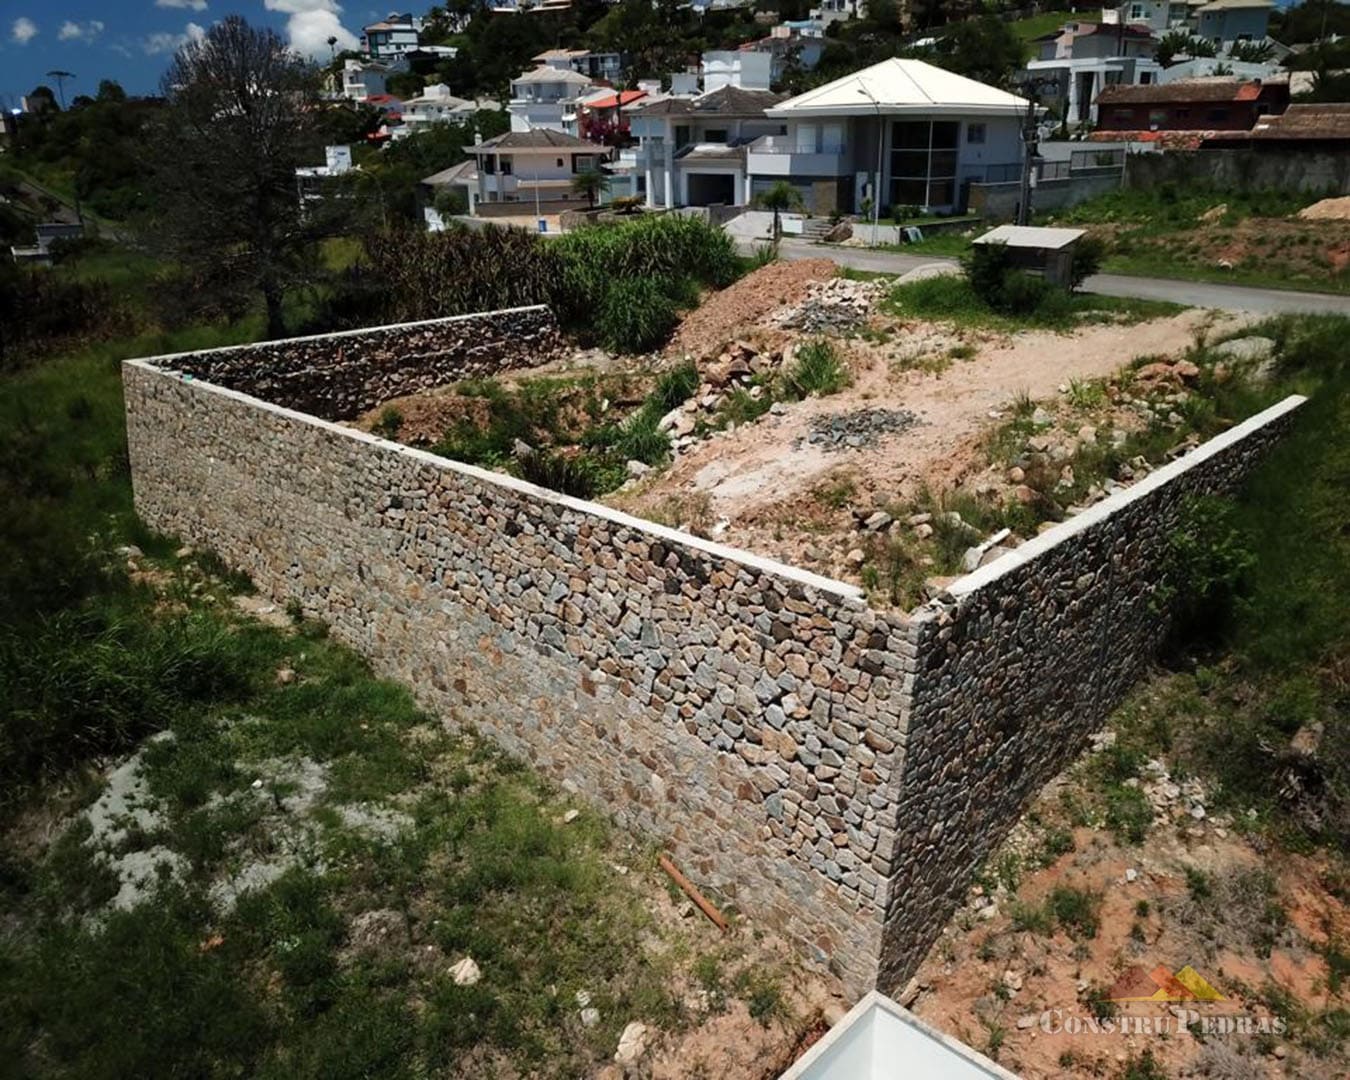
pixel 855 430
pixel 837 304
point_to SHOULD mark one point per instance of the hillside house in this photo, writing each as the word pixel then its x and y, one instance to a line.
pixel 392 37
pixel 1158 16
pixel 547 97
pixel 1201 105
pixel 932 133
pixel 1225 22
pixel 597 66
pixel 435 105
pixel 1083 58
pixel 533 170
pixel 362 80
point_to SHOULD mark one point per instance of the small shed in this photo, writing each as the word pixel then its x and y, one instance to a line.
pixel 1038 249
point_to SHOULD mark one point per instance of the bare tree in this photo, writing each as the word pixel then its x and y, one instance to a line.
pixel 241 118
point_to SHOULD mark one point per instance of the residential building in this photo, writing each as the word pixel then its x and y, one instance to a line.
pixel 537 168
pixel 547 98
pixel 362 80
pixel 1225 22
pixel 1159 16
pixel 692 150
pixel 1201 105
pixel 1204 67
pixel 1301 129
pixel 434 105
pixel 391 37
pixel 313 182
pixel 800 43
pixel 732 67
pixel 600 66
pixel 914 133
pixel 603 116
pixel 460 182
pixel 838 11
pixel 1082 58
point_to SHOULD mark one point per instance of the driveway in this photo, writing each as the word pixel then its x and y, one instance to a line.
pixel 1193 293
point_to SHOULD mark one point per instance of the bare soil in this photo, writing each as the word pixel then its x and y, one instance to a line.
pixel 762 486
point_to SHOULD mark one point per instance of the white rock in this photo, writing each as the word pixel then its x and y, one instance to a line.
pixel 571 816
pixel 466 972
pixel 590 1017
pixel 632 1044
pixel 637 468
pixel 1131 874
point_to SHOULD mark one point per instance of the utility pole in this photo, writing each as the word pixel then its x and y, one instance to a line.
pixel 1029 143
pixel 61 77
pixel 881 145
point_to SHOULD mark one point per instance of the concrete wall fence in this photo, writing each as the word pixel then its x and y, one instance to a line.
pixel 836 771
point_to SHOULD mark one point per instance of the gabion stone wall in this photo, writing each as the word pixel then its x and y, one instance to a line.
pixel 340 376
pixel 1023 660
pixel 837 772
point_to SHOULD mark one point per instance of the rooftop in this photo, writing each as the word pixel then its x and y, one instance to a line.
pixel 898 85
pixel 1304 122
pixel 553 75
pixel 538 139
pixel 727 101
pixel 1195 90
pixel 1234 5
pixel 463 173
pixel 1039 237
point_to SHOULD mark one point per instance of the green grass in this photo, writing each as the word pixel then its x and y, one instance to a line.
pixel 1048 22
pixel 951 298
pixel 1150 265
pixel 940 245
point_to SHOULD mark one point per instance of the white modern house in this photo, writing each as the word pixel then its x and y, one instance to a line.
pixel 1159 16
pixel 735 67
pixel 606 66
pixel 547 98
pixel 391 37
pixel 915 133
pixel 692 150
pixel 1084 58
pixel 435 105
pixel 312 181
pixel 364 79
pixel 534 168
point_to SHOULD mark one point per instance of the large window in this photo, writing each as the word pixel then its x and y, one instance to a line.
pixel 923 162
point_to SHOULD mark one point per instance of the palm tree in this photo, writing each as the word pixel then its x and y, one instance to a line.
pixel 590 184
pixel 782 196
pixel 332 46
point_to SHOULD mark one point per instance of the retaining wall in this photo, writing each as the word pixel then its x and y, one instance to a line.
pixel 838 772
pixel 1270 168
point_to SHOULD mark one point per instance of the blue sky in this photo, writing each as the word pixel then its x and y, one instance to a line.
pixel 131 40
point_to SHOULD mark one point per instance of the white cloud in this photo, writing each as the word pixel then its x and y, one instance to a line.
pixel 195 5
pixel 24 30
pixel 86 32
pixel 166 43
pixel 312 23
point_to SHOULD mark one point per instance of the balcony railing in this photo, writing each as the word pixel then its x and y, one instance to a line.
pixel 780 144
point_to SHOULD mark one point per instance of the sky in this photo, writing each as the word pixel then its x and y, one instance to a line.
pixel 132 40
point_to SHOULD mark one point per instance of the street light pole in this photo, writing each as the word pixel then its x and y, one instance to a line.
pixel 881 145
pixel 1029 145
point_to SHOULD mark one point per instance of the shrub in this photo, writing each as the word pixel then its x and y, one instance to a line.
pixel 816 369
pixel 1207 560
pixel 559 472
pixel 637 315
pixel 1077 911
pixel 674 387
pixel 1088 255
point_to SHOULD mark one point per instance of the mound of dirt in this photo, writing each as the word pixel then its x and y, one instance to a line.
pixel 424 418
pixel 726 315
pixel 1327 210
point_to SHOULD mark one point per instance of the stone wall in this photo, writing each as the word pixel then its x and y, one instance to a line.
pixel 1316 172
pixel 340 376
pixel 836 772
pixel 1020 663
pixel 744 713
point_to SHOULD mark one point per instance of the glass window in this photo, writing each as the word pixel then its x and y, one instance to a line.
pixel 924 160
pixel 975 133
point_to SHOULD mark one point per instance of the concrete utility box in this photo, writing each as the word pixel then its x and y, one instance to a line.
pixel 878 1040
pixel 1038 250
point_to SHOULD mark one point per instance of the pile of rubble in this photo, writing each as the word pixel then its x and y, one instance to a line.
pixel 734 369
pixel 855 430
pixel 836 304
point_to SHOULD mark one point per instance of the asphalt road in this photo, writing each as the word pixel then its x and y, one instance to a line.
pixel 1193 293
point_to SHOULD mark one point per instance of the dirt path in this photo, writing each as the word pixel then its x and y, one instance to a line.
pixel 750 476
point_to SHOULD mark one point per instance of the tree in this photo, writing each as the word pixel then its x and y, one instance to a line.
pixel 782 196
pixel 109 90
pixel 590 184
pixel 984 49
pixel 1251 52
pixel 241 118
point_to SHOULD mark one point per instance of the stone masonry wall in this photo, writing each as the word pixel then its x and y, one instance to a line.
pixel 746 714
pixel 837 772
pixel 340 376
pixel 1020 664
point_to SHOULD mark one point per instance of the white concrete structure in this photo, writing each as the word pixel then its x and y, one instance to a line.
pixel 916 133
pixel 362 80
pixel 435 105
pixel 310 181
pixel 533 167
pixel 547 98
pixel 595 65
pixel 1084 58
pixel 1159 16
pixel 735 67
pixel 878 1040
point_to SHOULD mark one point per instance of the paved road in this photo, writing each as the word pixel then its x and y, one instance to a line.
pixel 1194 293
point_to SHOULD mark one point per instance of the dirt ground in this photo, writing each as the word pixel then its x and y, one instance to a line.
pixel 1184 896
pixel 757 482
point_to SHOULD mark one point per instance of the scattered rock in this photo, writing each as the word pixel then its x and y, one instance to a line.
pixel 632 1044
pixel 590 1016
pixel 285 676
pixel 856 557
pixel 466 972
pixel 878 521
pixel 637 468
pixel 861 428
pixel 835 304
